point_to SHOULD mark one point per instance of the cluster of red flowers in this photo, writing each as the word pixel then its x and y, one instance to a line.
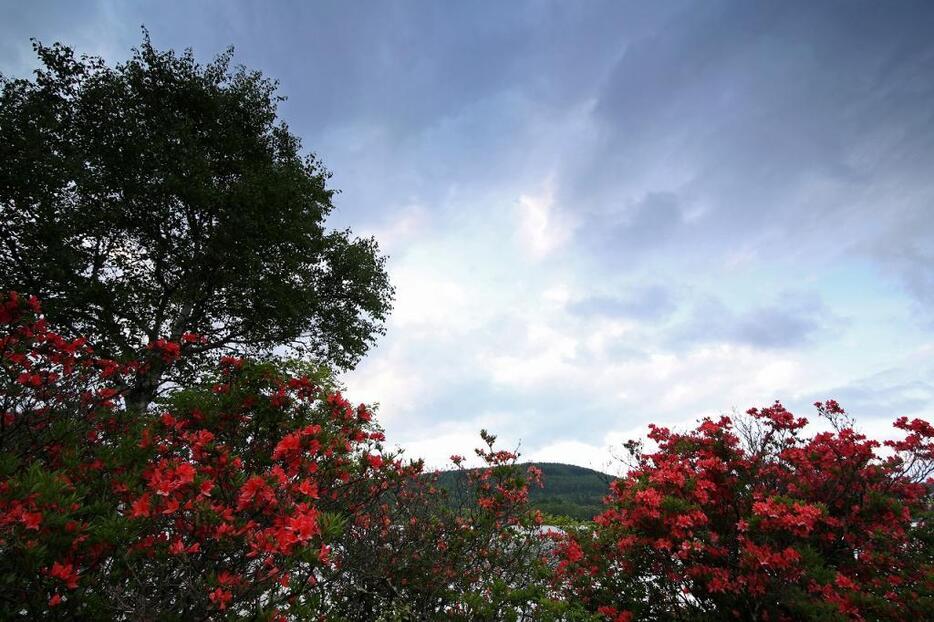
pixel 756 521
pixel 501 492
pixel 227 490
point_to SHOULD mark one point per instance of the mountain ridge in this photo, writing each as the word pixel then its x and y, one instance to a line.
pixel 568 490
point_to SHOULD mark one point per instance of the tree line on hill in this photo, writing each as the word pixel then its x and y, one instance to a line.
pixel 567 491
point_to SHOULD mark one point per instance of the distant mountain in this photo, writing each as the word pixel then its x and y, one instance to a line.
pixel 572 491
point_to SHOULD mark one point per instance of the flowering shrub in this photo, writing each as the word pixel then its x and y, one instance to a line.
pixel 261 493
pixel 433 554
pixel 257 494
pixel 753 520
pixel 60 437
pixel 226 501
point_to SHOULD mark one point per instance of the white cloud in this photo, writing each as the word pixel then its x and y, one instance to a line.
pixel 436 450
pixel 389 380
pixel 402 229
pixel 427 299
pixel 599 457
pixel 542 229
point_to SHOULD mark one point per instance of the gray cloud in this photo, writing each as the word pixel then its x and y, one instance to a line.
pixel 643 303
pixel 713 124
pixel 793 322
pixel 639 227
pixel 802 127
pixel 883 396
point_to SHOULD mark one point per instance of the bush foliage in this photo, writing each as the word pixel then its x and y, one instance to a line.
pixel 255 495
pixel 261 493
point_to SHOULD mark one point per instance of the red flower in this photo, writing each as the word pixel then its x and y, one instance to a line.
pixel 614 615
pixel 177 547
pixel 185 473
pixel 290 444
pixel 205 488
pixel 227 578
pixel 252 490
pixel 193 338
pixel 220 598
pixel 308 488
pixel 231 362
pixel 141 507
pixel 304 524
pixel 66 573
pixel 171 506
pixel 32 520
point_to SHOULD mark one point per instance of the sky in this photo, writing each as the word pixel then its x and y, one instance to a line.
pixel 601 214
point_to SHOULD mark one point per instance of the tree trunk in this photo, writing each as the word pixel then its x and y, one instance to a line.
pixel 144 390
pixel 142 393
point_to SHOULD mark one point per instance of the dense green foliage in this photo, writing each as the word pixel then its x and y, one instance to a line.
pixel 568 491
pixel 160 197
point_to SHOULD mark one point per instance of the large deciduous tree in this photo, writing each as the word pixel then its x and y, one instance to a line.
pixel 161 197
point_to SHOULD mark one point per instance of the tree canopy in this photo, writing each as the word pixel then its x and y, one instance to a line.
pixel 161 197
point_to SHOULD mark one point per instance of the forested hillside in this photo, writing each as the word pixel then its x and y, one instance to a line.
pixel 572 491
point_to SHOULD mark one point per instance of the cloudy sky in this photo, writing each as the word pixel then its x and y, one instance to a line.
pixel 601 215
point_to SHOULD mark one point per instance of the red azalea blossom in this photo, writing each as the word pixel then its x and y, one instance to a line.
pixel 32 520
pixel 66 573
pixel 141 508
pixel 220 598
